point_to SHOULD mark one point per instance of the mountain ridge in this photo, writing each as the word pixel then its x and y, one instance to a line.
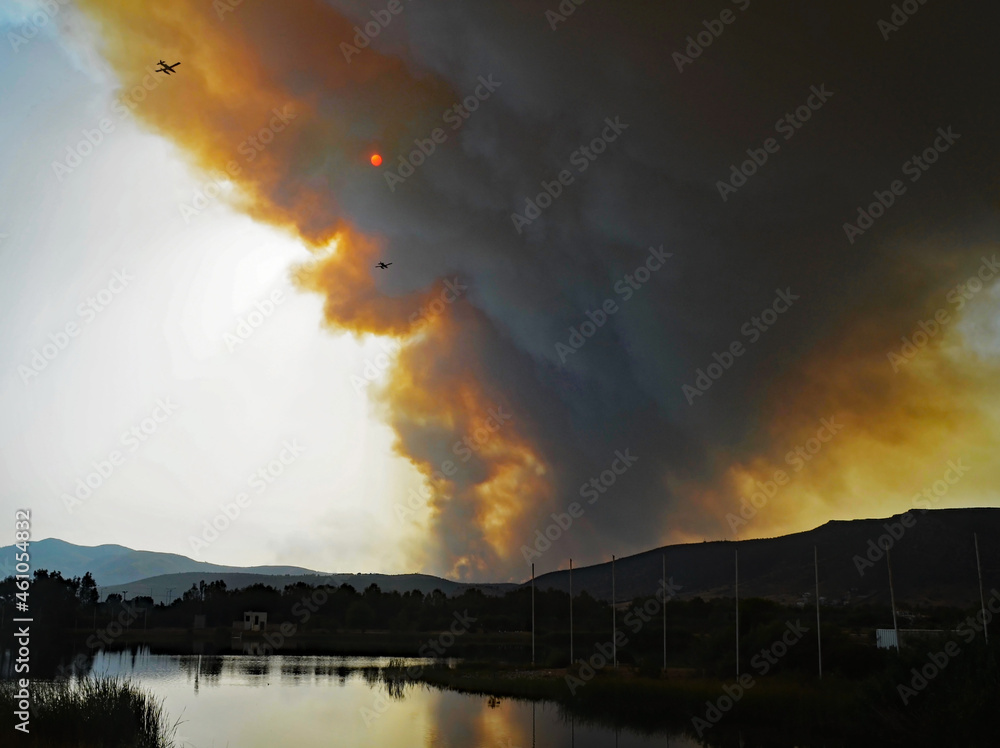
pixel 933 562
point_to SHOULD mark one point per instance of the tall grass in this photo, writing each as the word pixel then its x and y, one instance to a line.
pixel 104 712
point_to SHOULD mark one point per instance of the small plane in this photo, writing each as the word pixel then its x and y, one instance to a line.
pixel 168 69
pixel 382 265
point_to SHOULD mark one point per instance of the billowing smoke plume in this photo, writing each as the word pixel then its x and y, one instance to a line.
pixel 628 226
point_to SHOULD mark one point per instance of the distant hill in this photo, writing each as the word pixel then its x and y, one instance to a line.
pixel 116 568
pixel 933 562
pixel 116 564
pixel 171 586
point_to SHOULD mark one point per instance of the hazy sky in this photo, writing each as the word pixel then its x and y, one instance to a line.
pixel 162 337
pixel 712 256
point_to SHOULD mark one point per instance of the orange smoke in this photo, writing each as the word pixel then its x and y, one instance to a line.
pixel 240 68
pixel 896 431
pixel 265 94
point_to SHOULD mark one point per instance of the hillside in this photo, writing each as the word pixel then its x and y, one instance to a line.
pixel 172 586
pixel 933 562
pixel 116 564
pixel 116 568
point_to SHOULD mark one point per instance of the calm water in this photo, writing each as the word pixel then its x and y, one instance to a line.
pixel 246 701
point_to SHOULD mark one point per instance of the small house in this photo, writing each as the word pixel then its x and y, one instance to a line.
pixel 254 620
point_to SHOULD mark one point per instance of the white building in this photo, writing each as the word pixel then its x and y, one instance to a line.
pixel 254 620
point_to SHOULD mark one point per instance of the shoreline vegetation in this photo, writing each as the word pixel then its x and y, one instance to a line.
pixel 789 709
pixel 93 712
pixel 943 685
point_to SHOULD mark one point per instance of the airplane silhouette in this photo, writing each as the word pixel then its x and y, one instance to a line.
pixel 382 265
pixel 168 69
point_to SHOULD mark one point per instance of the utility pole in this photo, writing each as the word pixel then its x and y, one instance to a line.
pixel 664 614
pixel 819 643
pixel 532 615
pixel 737 614
pixel 982 602
pixel 614 621
pixel 892 600
pixel 571 611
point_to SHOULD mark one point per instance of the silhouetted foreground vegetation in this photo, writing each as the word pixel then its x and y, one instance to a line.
pixel 789 709
pixel 91 713
pixel 700 634
pixel 866 696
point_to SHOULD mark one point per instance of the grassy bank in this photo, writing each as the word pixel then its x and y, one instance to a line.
pixel 782 710
pixel 652 704
pixel 92 713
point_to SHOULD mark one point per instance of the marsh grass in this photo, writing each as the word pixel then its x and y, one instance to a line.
pixel 106 712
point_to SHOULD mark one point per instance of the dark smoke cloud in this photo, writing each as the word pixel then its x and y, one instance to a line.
pixel 655 185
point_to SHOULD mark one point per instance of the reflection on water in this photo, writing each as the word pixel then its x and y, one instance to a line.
pixel 248 701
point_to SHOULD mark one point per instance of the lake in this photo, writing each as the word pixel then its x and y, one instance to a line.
pixel 247 701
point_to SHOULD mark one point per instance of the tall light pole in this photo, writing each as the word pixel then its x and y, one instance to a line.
pixel 614 621
pixel 737 614
pixel 571 611
pixel 892 600
pixel 664 614
pixel 532 614
pixel 982 603
pixel 819 643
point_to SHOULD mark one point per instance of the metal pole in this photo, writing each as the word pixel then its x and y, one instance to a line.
pixel 819 643
pixel 982 602
pixel 532 614
pixel 664 614
pixel 614 622
pixel 737 613
pixel 892 600
pixel 571 611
